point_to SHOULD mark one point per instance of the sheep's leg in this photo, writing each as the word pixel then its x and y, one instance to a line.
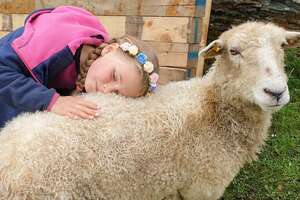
pixel 176 196
pixel 203 191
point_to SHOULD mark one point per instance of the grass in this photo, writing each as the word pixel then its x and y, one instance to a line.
pixel 276 175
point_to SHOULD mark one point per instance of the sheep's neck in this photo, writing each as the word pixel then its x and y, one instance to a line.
pixel 237 124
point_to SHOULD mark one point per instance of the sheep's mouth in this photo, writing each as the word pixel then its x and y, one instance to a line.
pixel 272 107
pixel 275 106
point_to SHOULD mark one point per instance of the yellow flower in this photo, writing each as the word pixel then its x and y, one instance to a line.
pixel 133 50
pixel 148 67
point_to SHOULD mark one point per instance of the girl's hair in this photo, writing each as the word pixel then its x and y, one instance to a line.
pixel 96 53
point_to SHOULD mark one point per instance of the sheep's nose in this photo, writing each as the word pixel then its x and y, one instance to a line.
pixel 276 94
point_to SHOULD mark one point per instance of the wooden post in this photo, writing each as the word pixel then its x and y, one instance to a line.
pixel 205 25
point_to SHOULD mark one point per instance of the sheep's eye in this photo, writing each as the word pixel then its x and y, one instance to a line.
pixel 234 52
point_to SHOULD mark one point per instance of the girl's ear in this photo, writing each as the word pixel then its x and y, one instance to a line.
pixel 109 48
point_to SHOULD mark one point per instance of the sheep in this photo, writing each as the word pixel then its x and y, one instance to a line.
pixel 187 141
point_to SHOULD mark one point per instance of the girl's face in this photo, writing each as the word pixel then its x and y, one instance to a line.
pixel 114 72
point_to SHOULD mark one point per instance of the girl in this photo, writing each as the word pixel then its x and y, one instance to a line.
pixel 63 49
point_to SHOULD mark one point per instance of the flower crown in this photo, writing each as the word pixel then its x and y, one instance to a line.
pixel 142 59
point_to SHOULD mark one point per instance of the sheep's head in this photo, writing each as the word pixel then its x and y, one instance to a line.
pixel 250 58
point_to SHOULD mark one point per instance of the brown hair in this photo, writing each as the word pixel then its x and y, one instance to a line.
pixel 96 53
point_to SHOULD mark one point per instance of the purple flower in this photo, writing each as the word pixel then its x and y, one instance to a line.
pixel 141 58
pixel 153 87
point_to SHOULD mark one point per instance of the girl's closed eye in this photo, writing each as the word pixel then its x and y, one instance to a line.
pixel 116 78
pixel 115 75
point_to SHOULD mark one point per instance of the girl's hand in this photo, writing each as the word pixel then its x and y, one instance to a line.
pixel 75 107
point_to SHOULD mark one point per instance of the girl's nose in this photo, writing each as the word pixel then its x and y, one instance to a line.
pixel 110 88
pixel 104 88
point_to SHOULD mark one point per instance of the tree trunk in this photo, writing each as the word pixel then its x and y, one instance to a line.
pixel 226 13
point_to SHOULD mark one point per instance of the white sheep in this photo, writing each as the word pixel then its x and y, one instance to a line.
pixel 187 141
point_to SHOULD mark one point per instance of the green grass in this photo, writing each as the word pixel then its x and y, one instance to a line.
pixel 276 175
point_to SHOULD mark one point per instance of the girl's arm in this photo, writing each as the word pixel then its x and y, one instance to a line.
pixel 27 95
pixel 23 92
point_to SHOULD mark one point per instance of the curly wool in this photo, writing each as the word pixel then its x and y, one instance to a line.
pixel 151 152
pixel 187 141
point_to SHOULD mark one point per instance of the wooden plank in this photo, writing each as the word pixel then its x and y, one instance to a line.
pixel 134 26
pixel 192 58
pixel 170 54
pixel 167 74
pixel 133 7
pixel 172 59
pixel 3 33
pixel 168 47
pixel 205 24
pixel 6 24
pixel 1 21
pixel 173 8
pixel 170 10
pixel 166 29
pixel 16 6
pixel 18 20
pixel 168 2
pixel 99 7
pixel 201 6
pixel 195 25
pixel 118 27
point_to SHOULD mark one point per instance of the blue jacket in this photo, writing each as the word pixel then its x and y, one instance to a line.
pixel 39 57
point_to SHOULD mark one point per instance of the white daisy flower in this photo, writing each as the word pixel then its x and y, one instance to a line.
pixel 125 46
pixel 148 67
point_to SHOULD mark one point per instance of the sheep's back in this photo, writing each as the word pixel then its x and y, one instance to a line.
pixel 46 152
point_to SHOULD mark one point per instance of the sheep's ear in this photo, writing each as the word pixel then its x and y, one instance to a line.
pixel 213 49
pixel 293 38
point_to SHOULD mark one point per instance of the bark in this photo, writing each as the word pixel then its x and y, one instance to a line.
pixel 225 13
